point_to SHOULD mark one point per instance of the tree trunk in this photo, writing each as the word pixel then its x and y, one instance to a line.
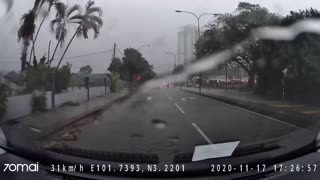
pixel 65 51
pixel 53 82
pixel 35 39
pixel 251 80
pixel 54 52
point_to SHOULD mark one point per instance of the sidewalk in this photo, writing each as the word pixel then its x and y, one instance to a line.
pixel 27 131
pixel 296 114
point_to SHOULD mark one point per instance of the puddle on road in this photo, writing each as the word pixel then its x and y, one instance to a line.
pixel 159 124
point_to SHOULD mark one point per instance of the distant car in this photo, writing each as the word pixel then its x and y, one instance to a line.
pixel 188 85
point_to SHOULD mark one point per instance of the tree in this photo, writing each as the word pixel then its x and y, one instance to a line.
pixel 27 29
pixel 3 99
pixel 38 4
pixel 25 32
pixel 85 69
pixel 90 19
pixel 236 28
pixel 134 64
pixel 115 65
pixel 300 56
pixel 38 77
pixel 64 18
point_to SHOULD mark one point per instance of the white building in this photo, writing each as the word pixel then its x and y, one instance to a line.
pixel 187 38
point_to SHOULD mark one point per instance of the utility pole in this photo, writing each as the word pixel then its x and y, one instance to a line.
pixel 226 88
pixel 114 52
pixel 49 47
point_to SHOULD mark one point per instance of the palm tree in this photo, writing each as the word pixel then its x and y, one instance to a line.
pixel 64 17
pixel 91 19
pixel 38 4
pixel 25 32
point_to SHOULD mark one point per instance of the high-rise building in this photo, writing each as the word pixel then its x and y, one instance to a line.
pixel 187 38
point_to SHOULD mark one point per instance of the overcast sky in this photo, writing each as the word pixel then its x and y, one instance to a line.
pixel 129 23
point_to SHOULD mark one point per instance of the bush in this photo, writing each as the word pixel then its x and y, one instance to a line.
pixel 40 78
pixel 115 77
pixel 3 99
pixel 39 102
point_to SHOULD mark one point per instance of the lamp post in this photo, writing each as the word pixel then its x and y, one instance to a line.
pixel 198 17
pixel 174 57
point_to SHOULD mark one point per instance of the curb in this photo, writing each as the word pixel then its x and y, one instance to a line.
pixel 291 117
pixel 86 114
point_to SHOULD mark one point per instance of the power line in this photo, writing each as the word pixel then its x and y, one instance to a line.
pixel 70 57
pixel 119 51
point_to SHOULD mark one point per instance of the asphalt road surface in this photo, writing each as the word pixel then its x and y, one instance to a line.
pixel 168 121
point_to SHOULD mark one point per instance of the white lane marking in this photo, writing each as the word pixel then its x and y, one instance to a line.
pixel 170 98
pixel 35 129
pixel 205 137
pixel 268 117
pixel 183 99
pixel 149 98
pixel 252 112
pixel 181 110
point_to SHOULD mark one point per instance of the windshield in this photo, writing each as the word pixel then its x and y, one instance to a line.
pixel 160 82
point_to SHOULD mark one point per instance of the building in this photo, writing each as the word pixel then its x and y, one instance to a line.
pixel 13 81
pixel 187 38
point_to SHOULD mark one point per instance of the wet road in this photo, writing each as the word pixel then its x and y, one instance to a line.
pixel 169 121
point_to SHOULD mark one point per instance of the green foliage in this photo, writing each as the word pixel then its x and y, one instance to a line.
pixel 115 77
pixel 85 69
pixel 3 99
pixel 115 65
pixel 300 55
pixel 39 102
pixel 267 59
pixel 39 77
pixel 133 64
pixel 63 78
pixel 235 28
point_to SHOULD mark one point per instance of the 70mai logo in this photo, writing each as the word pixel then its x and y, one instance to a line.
pixel 21 167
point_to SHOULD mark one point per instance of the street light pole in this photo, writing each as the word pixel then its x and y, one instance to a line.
pixel 174 57
pixel 199 34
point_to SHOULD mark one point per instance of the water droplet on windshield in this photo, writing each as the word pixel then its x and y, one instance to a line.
pixel 5 7
pixel 158 123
